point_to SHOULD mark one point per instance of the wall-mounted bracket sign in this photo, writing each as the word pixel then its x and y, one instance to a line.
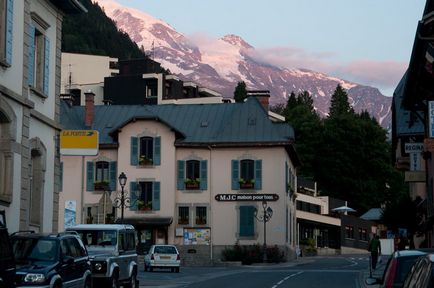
pixel 246 197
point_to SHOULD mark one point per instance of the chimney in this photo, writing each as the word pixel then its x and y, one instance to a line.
pixel 89 108
pixel 263 97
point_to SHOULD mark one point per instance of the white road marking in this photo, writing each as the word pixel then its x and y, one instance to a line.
pixel 286 278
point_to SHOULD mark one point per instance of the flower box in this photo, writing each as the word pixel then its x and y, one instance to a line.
pixel 142 206
pixel 192 183
pixel 246 184
pixel 145 161
pixel 101 186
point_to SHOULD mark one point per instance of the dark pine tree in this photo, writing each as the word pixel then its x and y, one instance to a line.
pixel 240 92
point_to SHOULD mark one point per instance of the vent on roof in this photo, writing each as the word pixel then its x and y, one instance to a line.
pixel 204 124
pixel 109 125
pixel 252 121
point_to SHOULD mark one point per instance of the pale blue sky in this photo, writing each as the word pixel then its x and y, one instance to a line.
pixel 366 41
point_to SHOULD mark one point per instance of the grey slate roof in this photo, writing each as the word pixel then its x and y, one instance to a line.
pixel 407 123
pixel 228 124
pixel 373 214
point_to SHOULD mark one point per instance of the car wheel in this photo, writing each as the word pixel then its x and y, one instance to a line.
pixel 133 281
pixel 114 281
pixel 177 269
pixel 57 285
pixel 146 268
pixel 88 283
pixel 151 269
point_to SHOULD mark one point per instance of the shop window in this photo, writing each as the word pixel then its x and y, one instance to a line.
pixel 183 215
pixel 201 217
pixel 349 232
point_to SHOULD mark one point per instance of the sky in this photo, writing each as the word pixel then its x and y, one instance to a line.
pixel 365 41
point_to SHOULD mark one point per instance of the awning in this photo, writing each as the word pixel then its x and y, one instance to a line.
pixel 147 221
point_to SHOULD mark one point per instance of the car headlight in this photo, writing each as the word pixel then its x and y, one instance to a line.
pixel 34 278
pixel 98 266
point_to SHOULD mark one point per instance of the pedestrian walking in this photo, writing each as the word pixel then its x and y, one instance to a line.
pixel 375 249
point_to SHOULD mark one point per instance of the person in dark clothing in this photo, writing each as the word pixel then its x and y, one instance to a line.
pixel 375 249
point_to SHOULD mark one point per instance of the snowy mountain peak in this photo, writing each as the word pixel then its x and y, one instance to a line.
pixel 219 64
pixel 236 41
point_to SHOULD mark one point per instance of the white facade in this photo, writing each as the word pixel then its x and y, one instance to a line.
pixel 29 89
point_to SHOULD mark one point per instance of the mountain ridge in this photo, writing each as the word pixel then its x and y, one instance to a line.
pixel 220 63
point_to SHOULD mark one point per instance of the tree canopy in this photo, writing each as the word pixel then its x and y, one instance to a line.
pixel 346 153
pixel 240 92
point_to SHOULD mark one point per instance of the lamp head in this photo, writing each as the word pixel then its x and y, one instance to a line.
pixel 122 179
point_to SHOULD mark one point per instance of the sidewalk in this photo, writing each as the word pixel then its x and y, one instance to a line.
pixel 377 273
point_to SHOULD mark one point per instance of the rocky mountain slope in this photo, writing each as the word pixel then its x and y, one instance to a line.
pixel 220 63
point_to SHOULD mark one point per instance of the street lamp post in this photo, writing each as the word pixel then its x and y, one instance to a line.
pixel 265 216
pixel 122 201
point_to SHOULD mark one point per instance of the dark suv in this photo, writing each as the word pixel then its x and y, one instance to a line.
pixel 7 263
pixel 51 260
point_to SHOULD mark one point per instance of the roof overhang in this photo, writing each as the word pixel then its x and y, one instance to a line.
pixel 147 221
pixel 70 6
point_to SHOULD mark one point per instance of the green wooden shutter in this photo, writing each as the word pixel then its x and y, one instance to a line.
pixel 9 30
pixel 247 224
pixel 134 195
pixel 157 151
pixel 134 158
pixel 31 74
pixel 112 175
pixel 203 175
pixel 181 175
pixel 45 87
pixel 89 176
pixel 258 174
pixel 156 196
pixel 235 175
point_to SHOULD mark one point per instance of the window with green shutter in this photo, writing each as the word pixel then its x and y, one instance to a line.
pixel 246 174
pixel 192 175
pixel 247 221
pixel 6 30
pixel 39 59
pixel 145 151
pixel 148 196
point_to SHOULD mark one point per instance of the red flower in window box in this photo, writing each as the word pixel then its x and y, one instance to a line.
pixel 247 184
pixel 192 183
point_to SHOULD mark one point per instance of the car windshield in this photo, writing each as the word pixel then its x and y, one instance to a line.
pixel 32 249
pixel 165 250
pixel 404 266
pixel 98 237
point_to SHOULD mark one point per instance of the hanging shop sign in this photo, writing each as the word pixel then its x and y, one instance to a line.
pixel 246 197
pixel 79 142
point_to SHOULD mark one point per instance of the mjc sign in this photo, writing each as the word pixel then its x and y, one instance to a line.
pixel 246 197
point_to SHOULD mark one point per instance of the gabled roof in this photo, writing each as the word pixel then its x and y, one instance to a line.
pixel 231 124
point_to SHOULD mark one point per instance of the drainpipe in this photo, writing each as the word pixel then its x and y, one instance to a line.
pixel 210 204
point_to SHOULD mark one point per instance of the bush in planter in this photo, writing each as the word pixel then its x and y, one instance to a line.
pixel 275 255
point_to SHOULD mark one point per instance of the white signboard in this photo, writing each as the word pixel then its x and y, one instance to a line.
pixel 413 147
pixel 70 213
pixel 431 118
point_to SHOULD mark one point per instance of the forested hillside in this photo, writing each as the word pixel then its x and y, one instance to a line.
pixel 94 33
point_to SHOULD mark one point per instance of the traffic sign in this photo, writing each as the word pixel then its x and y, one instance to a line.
pixel 79 142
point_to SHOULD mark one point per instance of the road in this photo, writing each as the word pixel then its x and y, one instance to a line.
pixel 307 272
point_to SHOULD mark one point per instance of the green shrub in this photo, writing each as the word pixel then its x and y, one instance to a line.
pixel 249 254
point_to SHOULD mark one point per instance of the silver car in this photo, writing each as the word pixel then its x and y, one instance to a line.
pixel 162 256
pixel 112 251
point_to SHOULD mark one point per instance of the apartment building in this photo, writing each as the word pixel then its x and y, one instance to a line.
pixel 30 35
pixel 196 174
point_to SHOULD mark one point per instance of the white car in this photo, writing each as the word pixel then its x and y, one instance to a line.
pixel 162 256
